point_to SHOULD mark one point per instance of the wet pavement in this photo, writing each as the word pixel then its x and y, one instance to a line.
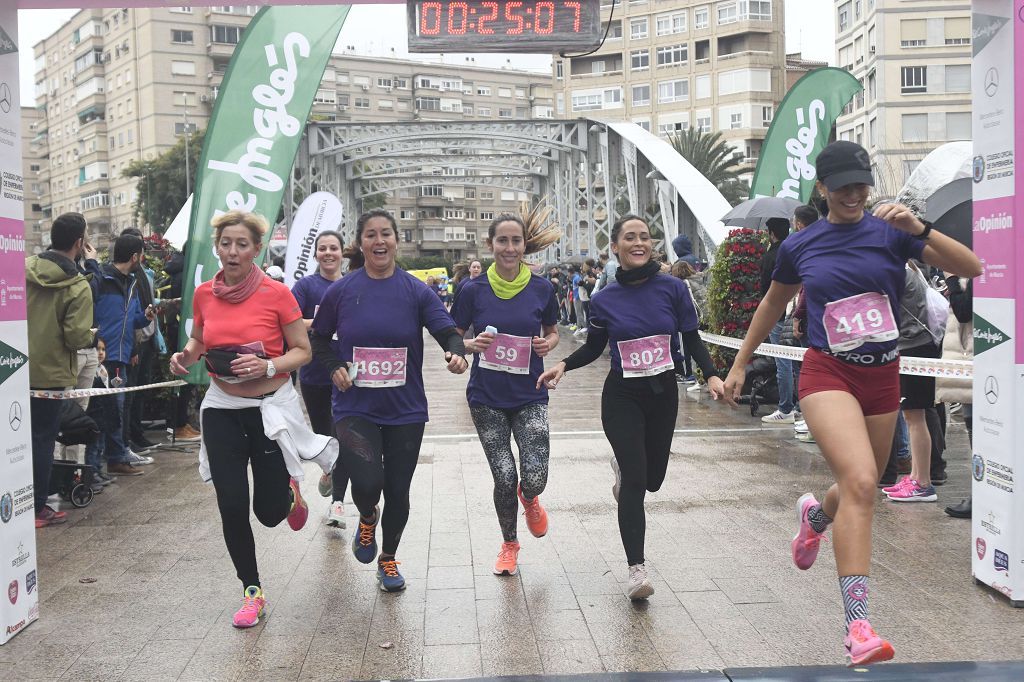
pixel 727 595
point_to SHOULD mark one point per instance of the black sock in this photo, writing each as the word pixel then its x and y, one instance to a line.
pixel 855 597
pixel 818 519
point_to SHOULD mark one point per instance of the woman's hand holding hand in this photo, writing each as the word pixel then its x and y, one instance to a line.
pixel 456 363
pixel 733 386
pixel 341 380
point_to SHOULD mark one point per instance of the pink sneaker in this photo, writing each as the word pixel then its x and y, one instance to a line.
pixel 901 483
pixel 299 512
pixel 914 493
pixel 253 602
pixel 806 541
pixel 863 646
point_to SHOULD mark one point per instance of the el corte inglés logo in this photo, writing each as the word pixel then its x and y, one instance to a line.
pixel 987 335
pixel 11 359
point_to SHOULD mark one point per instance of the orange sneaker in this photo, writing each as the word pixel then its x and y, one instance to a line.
pixel 506 563
pixel 536 517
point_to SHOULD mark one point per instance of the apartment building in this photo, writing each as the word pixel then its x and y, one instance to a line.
pixel 914 60
pixel 33 162
pixel 668 65
pixel 117 85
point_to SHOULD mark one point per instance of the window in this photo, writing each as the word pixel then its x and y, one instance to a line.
pixel 406 214
pixel 640 59
pixel 872 133
pixel 229 35
pixel 958 126
pixel 615 31
pixel 180 128
pixel 559 69
pixel 703 86
pixel 700 18
pixel 504 92
pixel 597 66
pixel 756 10
pixel 766 116
pixel 428 103
pixel 958 78
pixel 431 191
pixel 386 83
pixel 361 102
pixel 325 96
pixel 704 121
pixel 638 28
pixel 587 102
pixel 483 91
pixel 915 127
pixel 672 55
pixel 674 91
pixel 504 112
pixel 520 92
pixel 957 31
pixel 182 68
pixel 181 37
pixel 727 13
pixel 643 123
pixel 180 10
pixel 667 24
pixel 673 127
pixel 641 95
pixel 913 32
pixel 184 99
pixel 843 16
pixel 483 111
pixel 487 215
pixel 913 79
pixel 467 110
pixel 872 87
pixel 744 80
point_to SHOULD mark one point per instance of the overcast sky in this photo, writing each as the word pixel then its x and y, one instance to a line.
pixel 809 28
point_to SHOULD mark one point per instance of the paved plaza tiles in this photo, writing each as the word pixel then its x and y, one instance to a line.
pixel 727 595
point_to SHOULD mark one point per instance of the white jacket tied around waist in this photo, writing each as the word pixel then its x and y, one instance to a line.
pixel 283 423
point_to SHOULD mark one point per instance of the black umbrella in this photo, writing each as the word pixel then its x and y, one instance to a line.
pixel 753 213
pixel 950 208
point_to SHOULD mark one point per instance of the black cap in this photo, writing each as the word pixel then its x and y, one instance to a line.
pixel 844 163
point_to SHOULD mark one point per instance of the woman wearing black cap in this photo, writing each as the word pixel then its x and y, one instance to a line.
pixel 851 265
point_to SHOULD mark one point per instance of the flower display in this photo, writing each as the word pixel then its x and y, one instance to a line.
pixel 734 290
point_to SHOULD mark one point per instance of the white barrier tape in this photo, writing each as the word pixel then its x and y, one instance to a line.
pixel 925 367
pixel 89 392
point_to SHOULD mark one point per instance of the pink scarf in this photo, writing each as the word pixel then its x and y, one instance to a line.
pixel 236 293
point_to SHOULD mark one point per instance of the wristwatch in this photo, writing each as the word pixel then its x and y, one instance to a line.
pixel 927 231
pixel 271 370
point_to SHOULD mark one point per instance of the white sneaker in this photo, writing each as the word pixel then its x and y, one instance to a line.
pixel 800 426
pixel 618 479
pixel 694 388
pixel 778 417
pixel 135 459
pixel 336 514
pixel 639 585
pixel 805 437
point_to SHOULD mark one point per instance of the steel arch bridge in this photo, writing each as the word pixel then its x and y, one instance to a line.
pixel 591 172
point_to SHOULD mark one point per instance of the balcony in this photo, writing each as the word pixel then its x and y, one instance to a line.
pixel 94 70
pixel 220 49
pixel 755 57
pixel 98 154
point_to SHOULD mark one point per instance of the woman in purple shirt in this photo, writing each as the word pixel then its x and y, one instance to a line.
pixel 641 314
pixel 314 381
pixel 378 313
pixel 851 265
pixel 513 314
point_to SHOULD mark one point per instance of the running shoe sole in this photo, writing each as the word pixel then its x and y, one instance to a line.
pixel 384 588
pixel 514 571
pixel 917 498
pixel 799 524
pixel 884 652
pixel 641 592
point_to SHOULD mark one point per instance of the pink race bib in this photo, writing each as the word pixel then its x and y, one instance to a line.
pixel 508 353
pixel 854 321
pixel 645 357
pixel 380 367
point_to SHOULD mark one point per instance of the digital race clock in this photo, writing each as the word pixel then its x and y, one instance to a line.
pixel 503 25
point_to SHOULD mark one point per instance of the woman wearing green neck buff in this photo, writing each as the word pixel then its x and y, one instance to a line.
pixel 513 314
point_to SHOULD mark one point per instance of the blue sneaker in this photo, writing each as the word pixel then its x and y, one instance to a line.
pixel 388 576
pixel 364 542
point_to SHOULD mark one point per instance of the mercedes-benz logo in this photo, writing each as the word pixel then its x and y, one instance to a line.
pixel 991 390
pixel 991 82
pixel 14 416
pixel 5 97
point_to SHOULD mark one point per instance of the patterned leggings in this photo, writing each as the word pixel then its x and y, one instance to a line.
pixel 529 426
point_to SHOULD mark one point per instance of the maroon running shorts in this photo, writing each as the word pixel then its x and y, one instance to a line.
pixel 876 388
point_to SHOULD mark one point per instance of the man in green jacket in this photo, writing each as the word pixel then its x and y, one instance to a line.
pixel 60 314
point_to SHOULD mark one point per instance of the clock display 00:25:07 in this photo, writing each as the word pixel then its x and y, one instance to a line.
pixel 504 17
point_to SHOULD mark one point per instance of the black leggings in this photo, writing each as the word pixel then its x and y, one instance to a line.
pixel 496 427
pixel 639 418
pixel 318 407
pixel 235 440
pixel 380 459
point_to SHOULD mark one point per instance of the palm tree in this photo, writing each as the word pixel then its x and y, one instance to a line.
pixel 716 161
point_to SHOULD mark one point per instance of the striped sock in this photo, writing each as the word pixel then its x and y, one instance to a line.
pixel 855 597
pixel 818 519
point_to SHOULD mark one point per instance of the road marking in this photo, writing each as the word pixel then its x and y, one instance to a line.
pixel 766 429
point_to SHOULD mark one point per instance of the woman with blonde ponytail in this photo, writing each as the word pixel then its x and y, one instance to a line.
pixel 513 314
